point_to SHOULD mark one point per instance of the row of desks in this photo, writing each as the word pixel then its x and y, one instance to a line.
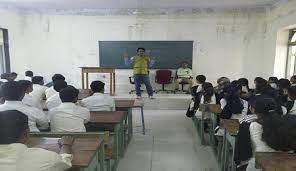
pixel 94 158
pixel 265 161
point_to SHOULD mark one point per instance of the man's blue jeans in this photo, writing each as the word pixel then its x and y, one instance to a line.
pixel 143 79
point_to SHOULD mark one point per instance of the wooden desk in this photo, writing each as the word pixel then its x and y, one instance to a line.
pixel 85 151
pixel 231 127
pixel 276 161
pixel 114 120
pixel 86 70
pixel 126 105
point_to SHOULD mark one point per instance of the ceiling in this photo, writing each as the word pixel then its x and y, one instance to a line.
pixel 132 4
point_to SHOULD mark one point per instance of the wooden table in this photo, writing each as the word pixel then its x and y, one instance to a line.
pixel 127 105
pixel 276 161
pixel 114 120
pixel 86 151
pixel 231 127
pixel 86 70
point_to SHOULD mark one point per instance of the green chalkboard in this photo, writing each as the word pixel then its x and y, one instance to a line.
pixel 168 54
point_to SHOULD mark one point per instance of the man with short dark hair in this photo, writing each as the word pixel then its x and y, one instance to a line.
pixel 51 91
pixel 98 101
pixel 14 153
pixel 38 88
pixel 29 75
pixel 141 62
pixel 69 117
pixel 184 74
pixel 55 100
pixel 12 76
pixel 13 95
pixel 27 88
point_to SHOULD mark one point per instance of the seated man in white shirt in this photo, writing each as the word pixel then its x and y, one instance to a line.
pixel 13 96
pixel 98 101
pixel 14 153
pixel 55 100
pixel 29 75
pixel 27 87
pixel 51 91
pixel 38 88
pixel 184 74
pixel 69 117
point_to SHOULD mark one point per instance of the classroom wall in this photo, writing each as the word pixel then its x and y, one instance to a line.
pixel 48 44
pixel 279 20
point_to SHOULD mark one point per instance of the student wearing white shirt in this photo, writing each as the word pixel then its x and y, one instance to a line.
pixel 233 107
pixel 55 100
pixel 208 97
pixel 13 96
pixel 264 107
pixel 51 91
pixel 27 87
pixel 38 88
pixel 15 154
pixel 29 75
pixel 69 117
pixel 98 101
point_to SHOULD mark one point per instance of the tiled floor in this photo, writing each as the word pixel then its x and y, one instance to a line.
pixel 168 146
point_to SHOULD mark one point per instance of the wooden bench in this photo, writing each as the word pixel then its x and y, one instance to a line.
pixel 231 127
pixel 276 161
pixel 127 105
pixel 107 121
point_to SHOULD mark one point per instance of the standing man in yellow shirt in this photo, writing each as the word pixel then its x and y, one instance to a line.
pixel 141 62
pixel 184 74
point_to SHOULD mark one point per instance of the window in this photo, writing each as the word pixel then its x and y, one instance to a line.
pixel 291 54
pixel 4 51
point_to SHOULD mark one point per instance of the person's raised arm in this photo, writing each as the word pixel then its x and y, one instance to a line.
pixel 127 60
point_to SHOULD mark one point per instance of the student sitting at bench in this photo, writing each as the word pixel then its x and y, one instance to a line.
pixel 27 87
pixel 13 96
pixel 273 82
pixel 233 107
pixel 246 92
pixel 222 83
pixel 293 80
pixel 29 75
pixel 51 91
pixel 69 117
pixel 208 97
pixel 265 109
pixel 14 153
pixel 200 80
pixel 291 105
pixel 12 76
pixel 38 88
pixel 98 101
pixel 55 100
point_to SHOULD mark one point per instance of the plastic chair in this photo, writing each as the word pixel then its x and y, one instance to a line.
pixel 163 77
pixel 132 81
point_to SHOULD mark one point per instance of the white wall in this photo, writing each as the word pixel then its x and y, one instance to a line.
pixel 279 21
pixel 50 44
